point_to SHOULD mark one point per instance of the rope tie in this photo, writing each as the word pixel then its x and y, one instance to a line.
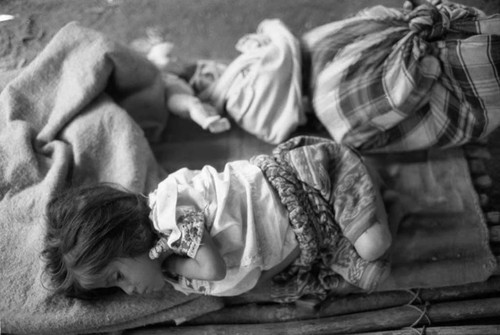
pixel 423 331
pixel 423 314
pixel 423 311
pixel 428 22
pixel 415 296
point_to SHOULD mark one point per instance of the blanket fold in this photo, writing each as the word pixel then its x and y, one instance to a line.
pixel 85 110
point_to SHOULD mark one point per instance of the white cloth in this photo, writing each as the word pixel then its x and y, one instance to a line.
pixel 243 216
pixel 261 89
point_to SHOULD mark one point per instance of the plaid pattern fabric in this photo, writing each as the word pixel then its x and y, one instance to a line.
pixel 330 200
pixel 387 80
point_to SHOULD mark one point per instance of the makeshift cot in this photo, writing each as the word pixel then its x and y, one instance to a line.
pixel 88 109
pixel 468 308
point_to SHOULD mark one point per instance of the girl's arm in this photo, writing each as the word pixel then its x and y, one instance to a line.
pixel 208 264
pixel 205 115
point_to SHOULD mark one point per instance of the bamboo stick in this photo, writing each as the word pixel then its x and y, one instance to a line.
pixel 496 273
pixel 477 166
pixel 354 303
pixel 390 318
pixel 495 248
pixel 483 182
pixel 458 330
pixel 493 217
pixel 379 300
pixel 465 310
pixel 484 200
pixel 461 292
pixel 477 152
pixel 494 234
pixel 255 313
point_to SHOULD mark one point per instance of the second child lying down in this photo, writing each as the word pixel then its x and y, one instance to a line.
pixel 385 79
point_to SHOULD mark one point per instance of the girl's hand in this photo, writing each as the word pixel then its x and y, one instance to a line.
pixel 206 116
pixel 208 264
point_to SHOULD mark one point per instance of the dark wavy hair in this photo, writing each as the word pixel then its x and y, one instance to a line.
pixel 87 228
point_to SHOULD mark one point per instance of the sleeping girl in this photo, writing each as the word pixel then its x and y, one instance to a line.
pixel 310 212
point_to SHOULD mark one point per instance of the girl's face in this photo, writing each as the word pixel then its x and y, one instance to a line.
pixel 138 275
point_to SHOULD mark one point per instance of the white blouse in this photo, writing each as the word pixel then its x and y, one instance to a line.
pixel 243 215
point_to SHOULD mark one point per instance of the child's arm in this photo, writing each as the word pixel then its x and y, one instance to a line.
pixel 189 106
pixel 181 99
pixel 208 264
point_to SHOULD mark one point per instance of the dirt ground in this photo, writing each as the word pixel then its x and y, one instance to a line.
pixel 199 29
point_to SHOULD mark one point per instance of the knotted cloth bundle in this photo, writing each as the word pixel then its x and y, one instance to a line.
pixel 387 80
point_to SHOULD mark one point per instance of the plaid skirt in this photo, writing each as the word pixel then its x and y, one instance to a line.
pixel 331 201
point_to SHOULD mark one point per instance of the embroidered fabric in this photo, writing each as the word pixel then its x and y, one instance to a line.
pixel 242 215
pixel 191 224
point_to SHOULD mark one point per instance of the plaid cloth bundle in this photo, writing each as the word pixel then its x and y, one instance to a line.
pixel 387 80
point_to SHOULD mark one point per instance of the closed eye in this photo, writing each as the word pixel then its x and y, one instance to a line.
pixel 118 276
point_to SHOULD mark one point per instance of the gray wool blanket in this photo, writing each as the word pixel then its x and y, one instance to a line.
pixel 85 110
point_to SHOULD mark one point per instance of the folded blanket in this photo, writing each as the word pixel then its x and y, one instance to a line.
pixel 83 111
pixel 387 81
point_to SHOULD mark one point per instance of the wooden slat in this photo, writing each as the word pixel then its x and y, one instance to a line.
pixel 497 271
pixel 355 303
pixel 493 217
pixel 459 330
pixel 390 318
pixel 477 152
pixel 494 234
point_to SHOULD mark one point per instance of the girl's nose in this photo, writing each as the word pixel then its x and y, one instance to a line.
pixel 128 289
